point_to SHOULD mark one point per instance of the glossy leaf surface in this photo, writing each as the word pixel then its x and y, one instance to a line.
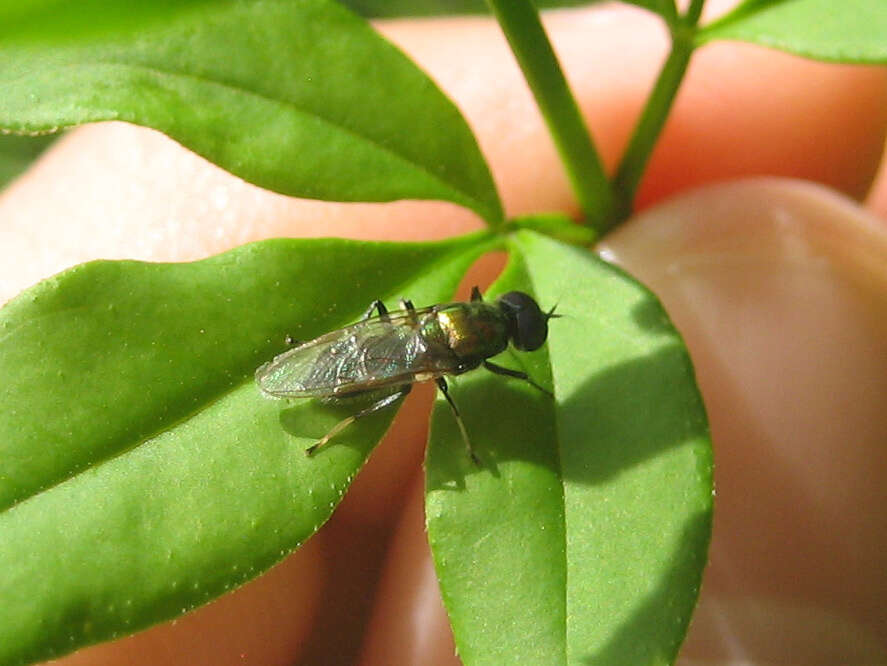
pixel 581 537
pixel 141 471
pixel 303 98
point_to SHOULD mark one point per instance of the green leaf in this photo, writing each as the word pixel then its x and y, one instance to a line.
pixel 581 537
pixel 62 21
pixel 17 153
pixel 665 8
pixel 852 31
pixel 392 8
pixel 141 471
pixel 302 98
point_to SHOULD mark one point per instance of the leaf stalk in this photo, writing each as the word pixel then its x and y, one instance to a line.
pixel 646 134
pixel 520 22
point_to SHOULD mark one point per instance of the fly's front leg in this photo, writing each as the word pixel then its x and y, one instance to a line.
pixel 517 374
pixel 379 307
pixel 442 385
pixel 407 305
pixel 375 407
pixel 475 295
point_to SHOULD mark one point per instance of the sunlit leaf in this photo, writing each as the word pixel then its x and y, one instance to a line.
pixel 850 31
pixel 581 537
pixel 302 98
pixel 141 471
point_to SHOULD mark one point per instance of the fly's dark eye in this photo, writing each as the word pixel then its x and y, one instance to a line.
pixel 528 325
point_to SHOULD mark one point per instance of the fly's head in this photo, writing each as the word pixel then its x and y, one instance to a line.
pixel 527 323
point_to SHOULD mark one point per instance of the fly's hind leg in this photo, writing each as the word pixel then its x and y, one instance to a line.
pixel 442 385
pixel 382 403
pixel 475 295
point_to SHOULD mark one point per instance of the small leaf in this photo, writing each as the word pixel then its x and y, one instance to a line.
pixel 141 471
pixel 62 21
pixel 17 153
pixel 302 98
pixel 665 8
pixel 852 31
pixel 581 537
pixel 391 8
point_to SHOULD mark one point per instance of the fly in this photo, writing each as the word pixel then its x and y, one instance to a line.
pixel 382 356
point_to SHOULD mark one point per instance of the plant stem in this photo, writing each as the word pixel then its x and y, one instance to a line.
pixel 668 11
pixel 520 22
pixel 654 115
pixel 691 18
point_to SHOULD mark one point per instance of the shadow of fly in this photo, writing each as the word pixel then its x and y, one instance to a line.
pixel 381 356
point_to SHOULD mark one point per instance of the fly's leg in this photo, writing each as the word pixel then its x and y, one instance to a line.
pixel 375 407
pixel 517 374
pixel 379 307
pixel 407 305
pixel 291 341
pixel 475 295
pixel 442 385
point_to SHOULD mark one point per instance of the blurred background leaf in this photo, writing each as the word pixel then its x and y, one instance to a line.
pixel 393 8
pixel 301 98
pixel 852 31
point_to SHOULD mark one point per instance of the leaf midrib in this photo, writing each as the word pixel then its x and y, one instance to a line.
pixel 560 468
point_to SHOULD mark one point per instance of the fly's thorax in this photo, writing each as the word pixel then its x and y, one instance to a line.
pixel 473 330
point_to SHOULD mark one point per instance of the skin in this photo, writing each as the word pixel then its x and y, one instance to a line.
pixel 117 191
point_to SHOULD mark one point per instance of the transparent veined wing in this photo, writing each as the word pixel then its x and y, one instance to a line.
pixel 370 354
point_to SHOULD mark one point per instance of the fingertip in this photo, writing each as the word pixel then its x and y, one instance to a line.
pixel 876 200
pixel 409 624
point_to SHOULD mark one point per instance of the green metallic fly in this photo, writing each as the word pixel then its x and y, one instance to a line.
pixel 382 356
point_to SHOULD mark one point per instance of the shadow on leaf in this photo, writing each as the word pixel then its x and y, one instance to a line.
pixel 311 419
pixel 629 413
pixel 616 419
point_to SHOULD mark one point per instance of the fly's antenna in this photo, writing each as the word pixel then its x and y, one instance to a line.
pixel 550 314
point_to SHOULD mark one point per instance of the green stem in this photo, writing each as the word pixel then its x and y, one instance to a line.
pixel 634 161
pixel 669 12
pixel 694 11
pixel 520 22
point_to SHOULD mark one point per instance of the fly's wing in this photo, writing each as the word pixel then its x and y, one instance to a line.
pixel 369 354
